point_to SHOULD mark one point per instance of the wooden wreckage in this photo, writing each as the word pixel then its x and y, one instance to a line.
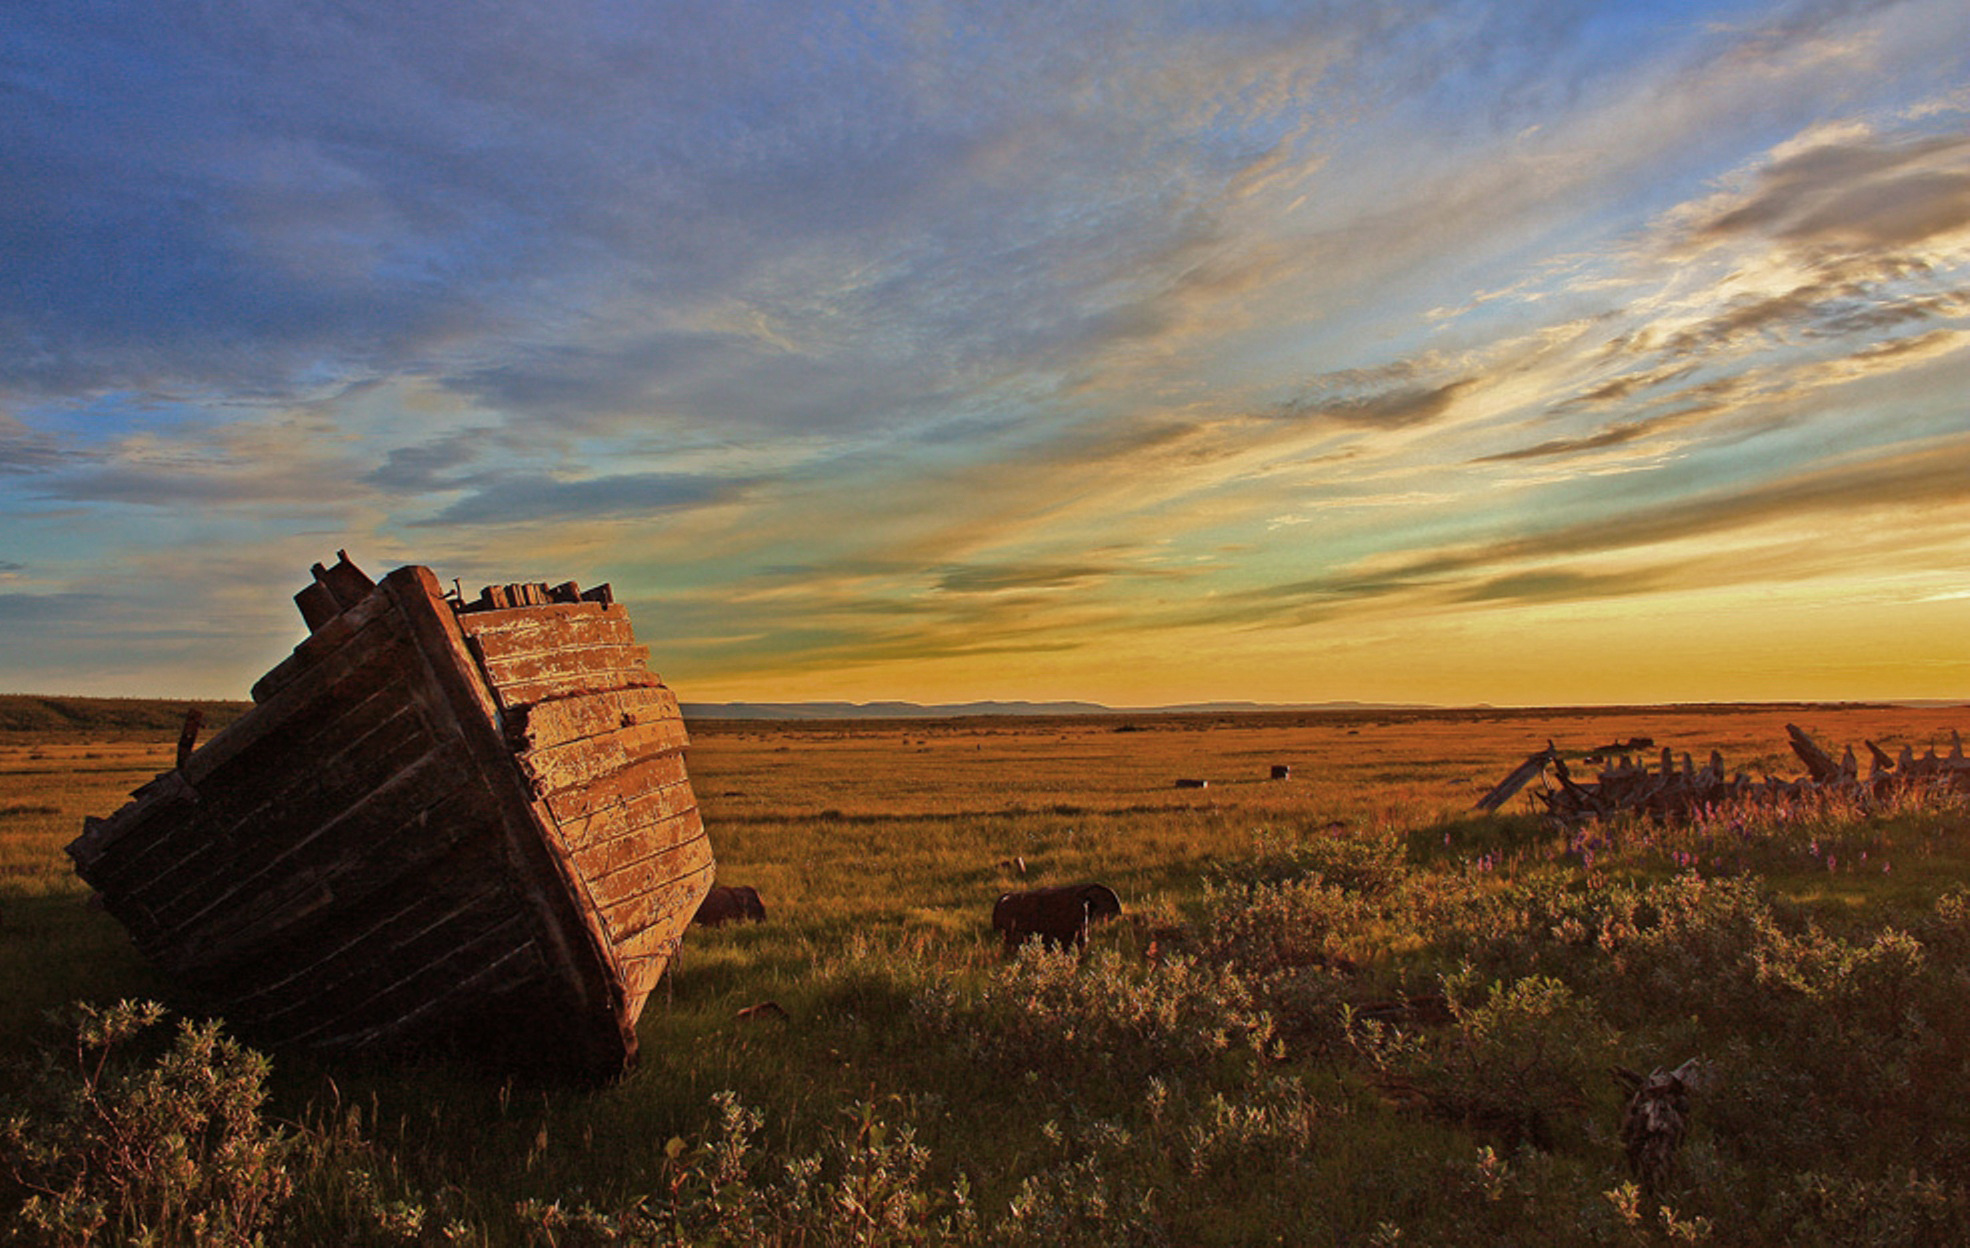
pixel 444 826
pixel 1673 791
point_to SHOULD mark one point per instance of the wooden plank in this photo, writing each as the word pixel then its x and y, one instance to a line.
pixel 579 764
pixel 642 776
pixel 256 744
pixel 545 629
pixel 161 802
pixel 1818 762
pixel 479 621
pixel 655 837
pixel 379 844
pixel 512 991
pixel 460 897
pixel 335 993
pixel 170 855
pixel 549 724
pixel 659 914
pixel 372 654
pixel 658 864
pixel 642 973
pixel 633 819
pixel 243 833
pixel 566 662
pixel 314 846
pixel 1521 776
pixel 575 684
pixel 571 937
pixel 413 984
pixel 323 641
pixel 626 817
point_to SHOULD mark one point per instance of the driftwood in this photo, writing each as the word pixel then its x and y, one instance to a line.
pixel 1674 787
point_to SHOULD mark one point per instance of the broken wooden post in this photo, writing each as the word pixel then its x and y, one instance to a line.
pixel 1819 764
pixel 1655 1120
pixel 188 735
pixel 1521 776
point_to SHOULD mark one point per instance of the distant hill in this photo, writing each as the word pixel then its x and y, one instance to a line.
pixel 956 710
pixel 42 714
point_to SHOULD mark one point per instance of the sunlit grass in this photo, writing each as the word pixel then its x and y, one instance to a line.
pixel 1362 880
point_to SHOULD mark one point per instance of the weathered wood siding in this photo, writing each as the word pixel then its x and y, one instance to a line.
pixel 602 743
pixel 419 840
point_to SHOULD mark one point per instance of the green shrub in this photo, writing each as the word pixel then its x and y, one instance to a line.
pixel 170 1151
pixel 1898 1211
pixel 1516 1063
pixel 1099 1023
pixel 112 1138
pixel 864 1188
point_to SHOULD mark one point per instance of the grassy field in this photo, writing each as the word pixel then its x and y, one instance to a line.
pixel 1339 1008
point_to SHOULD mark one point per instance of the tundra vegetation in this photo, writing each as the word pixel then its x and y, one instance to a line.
pixel 1339 1008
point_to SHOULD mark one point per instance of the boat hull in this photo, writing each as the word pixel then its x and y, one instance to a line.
pixel 443 827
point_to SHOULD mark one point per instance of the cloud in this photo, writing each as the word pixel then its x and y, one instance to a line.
pixel 430 465
pixel 23 450
pixel 44 609
pixel 1857 191
pixel 990 578
pixel 1559 585
pixel 1810 501
pixel 187 464
pixel 1618 389
pixel 1401 408
pixel 1613 436
pixel 537 499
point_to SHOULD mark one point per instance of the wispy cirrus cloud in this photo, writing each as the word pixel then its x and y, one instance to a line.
pixel 534 499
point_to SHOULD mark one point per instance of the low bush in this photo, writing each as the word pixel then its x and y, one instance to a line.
pixel 112 1136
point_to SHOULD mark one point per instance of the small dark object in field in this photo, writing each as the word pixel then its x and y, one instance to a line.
pixel 1282 771
pixel 1014 864
pixel 765 1009
pixel 725 903
pixel 1623 747
pixel 1193 784
pixel 1058 916
pixel 1656 1119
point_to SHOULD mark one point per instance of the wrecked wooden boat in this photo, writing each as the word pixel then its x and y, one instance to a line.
pixel 445 826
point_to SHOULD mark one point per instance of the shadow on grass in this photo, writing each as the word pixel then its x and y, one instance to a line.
pixel 1475 836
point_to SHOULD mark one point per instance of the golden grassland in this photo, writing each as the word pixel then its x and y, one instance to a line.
pixel 879 846
pixel 832 816
pixel 908 829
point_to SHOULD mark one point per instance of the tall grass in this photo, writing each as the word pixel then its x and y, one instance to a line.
pixel 1336 1010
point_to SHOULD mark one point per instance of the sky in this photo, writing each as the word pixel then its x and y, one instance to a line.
pixel 1523 353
